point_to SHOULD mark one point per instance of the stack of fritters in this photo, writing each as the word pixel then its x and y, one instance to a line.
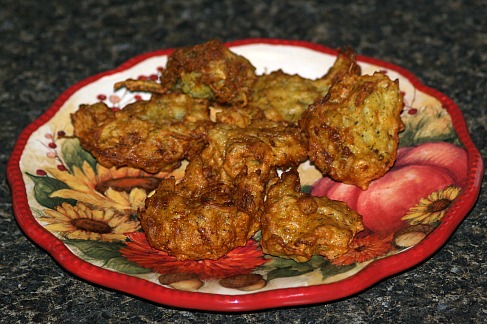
pixel 239 131
pixel 218 204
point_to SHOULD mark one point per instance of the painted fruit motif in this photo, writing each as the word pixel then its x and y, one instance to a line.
pixel 418 172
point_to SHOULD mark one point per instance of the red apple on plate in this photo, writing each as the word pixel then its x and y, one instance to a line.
pixel 418 172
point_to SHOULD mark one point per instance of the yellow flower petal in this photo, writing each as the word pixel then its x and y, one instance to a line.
pixel 103 173
pixel 116 222
pixel 60 227
pixel 426 211
pixel 54 216
pixel 128 227
pixel 89 198
pixel 71 180
pixel 113 237
pixel 137 198
pixel 89 174
pixel 119 196
pixel 83 222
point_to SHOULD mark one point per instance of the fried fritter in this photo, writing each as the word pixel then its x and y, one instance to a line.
pixel 353 130
pixel 345 64
pixel 200 218
pixel 141 85
pixel 153 135
pixel 218 204
pixel 297 226
pixel 211 71
pixel 238 115
pixel 260 147
pixel 284 97
pixel 247 158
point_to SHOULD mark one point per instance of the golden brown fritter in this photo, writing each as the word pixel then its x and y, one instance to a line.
pixel 247 158
pixel 241 116
pixel 345 64
pixel 353 131
pixel 200 218
pixel 153 135
pixel 297 226
pixel 284 97
pixel 141 85
pixel 211 71
pixel 218 204
pixel 260 147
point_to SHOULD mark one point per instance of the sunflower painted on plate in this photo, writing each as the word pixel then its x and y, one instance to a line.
pixel 84 223
pixel 124 189
pixel 432 209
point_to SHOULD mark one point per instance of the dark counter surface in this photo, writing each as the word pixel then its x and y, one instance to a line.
pixel 47 46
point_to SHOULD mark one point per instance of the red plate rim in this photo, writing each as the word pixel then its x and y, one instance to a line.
pixel 371 274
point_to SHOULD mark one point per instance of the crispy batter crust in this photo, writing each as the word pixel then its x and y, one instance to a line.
pixel 154 135
pixel 218 204
pixel 210 71
pixel 297 226
pixel 261 147
pixel 353 131
pixel 284 97
pixel 200 218
pixel 241 116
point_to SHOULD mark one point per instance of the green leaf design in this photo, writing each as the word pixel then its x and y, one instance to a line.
pixel 286 268
pixel 74 155
pixel 108 253
pixel 97 250
pixel 280 268
pixel 410 137
pixel 37 213
pixel 317 261
pixel 125 266
pixel 285 272
pixel 328 269
pixel 44 187
pixel 257 236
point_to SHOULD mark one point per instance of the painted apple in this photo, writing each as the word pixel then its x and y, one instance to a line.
pixel 451 158
pixel 418 172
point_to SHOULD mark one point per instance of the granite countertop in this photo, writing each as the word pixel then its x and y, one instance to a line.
pixel 47 46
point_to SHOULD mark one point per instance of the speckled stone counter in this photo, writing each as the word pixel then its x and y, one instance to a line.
pixel 47 46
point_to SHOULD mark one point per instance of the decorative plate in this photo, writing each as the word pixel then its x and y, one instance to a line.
pixel 84 215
